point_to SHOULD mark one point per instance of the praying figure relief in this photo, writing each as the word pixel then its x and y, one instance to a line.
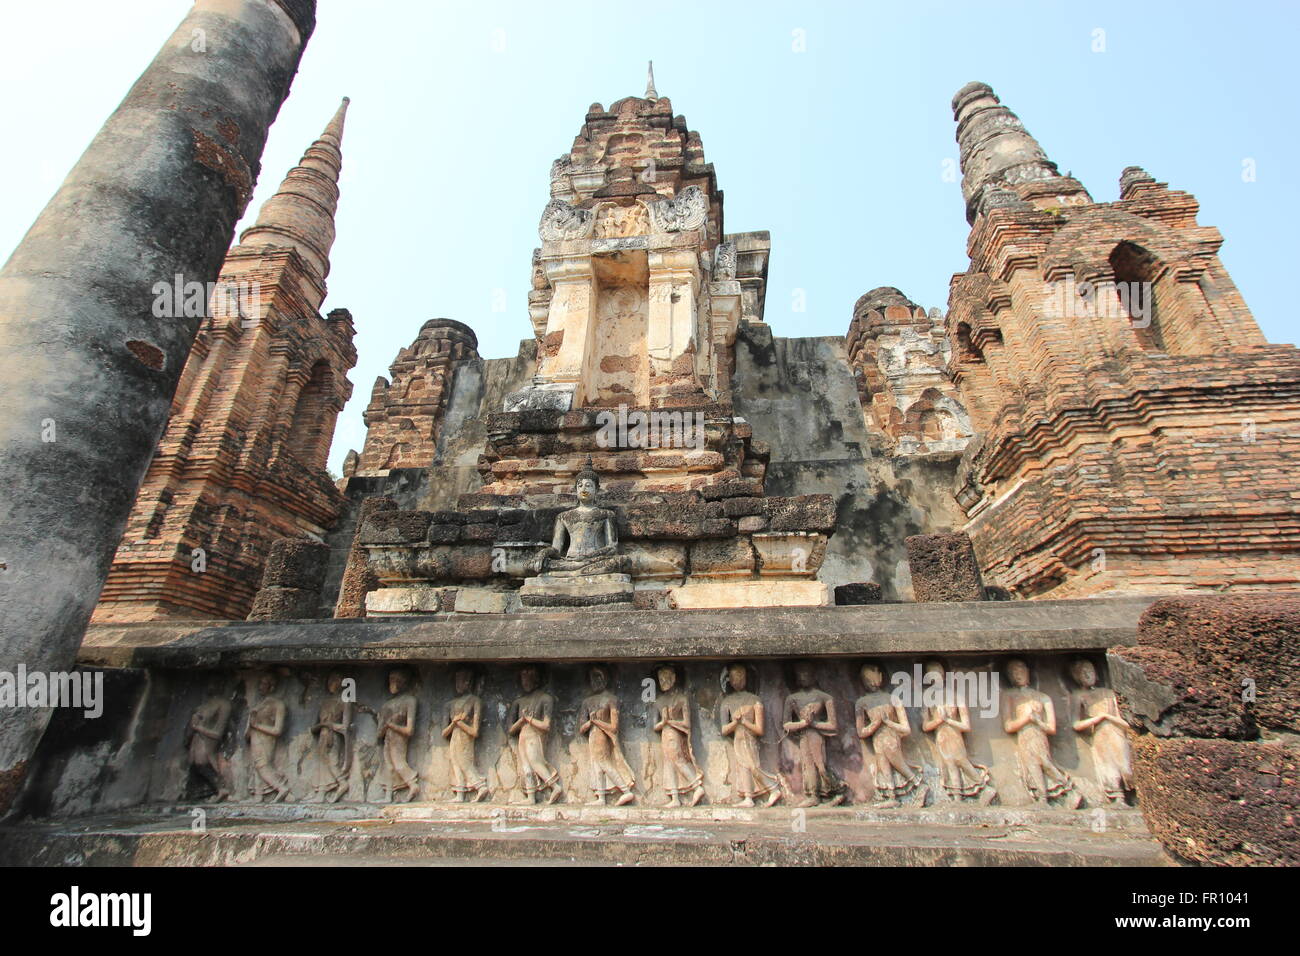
pixel 1029 716
pixel 742 719
pixel 462 721
pixel 203 741
pixel 1096 710
pixel 949 723
pixel 610 773
pixel 682 775
pixel 333 743
pixel 529 726
pixel 396 721
pixel 809 720
pixel 882 725
pixel 266 723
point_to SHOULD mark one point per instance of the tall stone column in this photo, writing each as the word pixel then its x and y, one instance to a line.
pixel 87 370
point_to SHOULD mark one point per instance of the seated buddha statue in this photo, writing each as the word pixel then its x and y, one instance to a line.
pixel 584 541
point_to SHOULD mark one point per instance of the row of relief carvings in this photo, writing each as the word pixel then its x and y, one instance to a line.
pixel 808 723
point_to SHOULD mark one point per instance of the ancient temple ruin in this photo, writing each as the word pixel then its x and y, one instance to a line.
pixel 668 563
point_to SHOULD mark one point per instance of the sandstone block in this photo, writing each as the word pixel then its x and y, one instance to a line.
pixel 742 507
pixel 296 563
pixel 1233 638
pixel 1166 694
pixel 1220 802
pixel 284 604
pixel 801 513
pixel 414 600
pixel 789 552
pixel 737 488
pixel 944 568
pixel 722 557
pixel 481 601
pixel 396 527
pixel 750 593
pixel 866 592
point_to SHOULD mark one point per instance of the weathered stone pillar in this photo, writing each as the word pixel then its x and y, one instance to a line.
pixel 567 345
pixel 87 368
pixel 670 335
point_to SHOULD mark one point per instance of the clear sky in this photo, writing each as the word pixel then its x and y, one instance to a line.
pixel 828 123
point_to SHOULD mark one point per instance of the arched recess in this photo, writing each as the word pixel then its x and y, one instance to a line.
pixel 935 417
pixel 1137 273
pixel 312 420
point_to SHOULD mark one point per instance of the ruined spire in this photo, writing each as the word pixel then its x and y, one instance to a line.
pixel 997 152
pixel 301 213
pixel 650 93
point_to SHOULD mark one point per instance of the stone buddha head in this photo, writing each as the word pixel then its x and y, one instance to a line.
pixel 587 484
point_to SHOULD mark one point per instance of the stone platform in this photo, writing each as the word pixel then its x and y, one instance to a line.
pixel 431 835
pixel 940 628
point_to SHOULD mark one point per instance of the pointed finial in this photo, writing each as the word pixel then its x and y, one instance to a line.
pixel 650 93
pixel 301 213
pixel 334 131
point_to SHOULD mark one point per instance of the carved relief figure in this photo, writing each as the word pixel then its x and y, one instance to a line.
pixel 682 775
pixel 1096 710
pixel 742 718
pixel 882 725
pixel 585 541
pixel 266 722
pixel 616 222
pixel 333 745
pixel 396 725
pixel 1029 716
pixel 949 723
pixel 462 720
pixel 203 740
pixel 610 773
pixel 809 720
pixel 529 723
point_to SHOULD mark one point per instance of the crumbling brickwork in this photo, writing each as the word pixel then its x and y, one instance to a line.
pixel 242 461
pixel 405 414
pixel 1137 431
pixel 900 354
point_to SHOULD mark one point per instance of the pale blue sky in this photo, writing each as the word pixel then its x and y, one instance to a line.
pixel 458 110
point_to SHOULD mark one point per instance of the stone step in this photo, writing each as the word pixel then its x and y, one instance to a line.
pixel 520 836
